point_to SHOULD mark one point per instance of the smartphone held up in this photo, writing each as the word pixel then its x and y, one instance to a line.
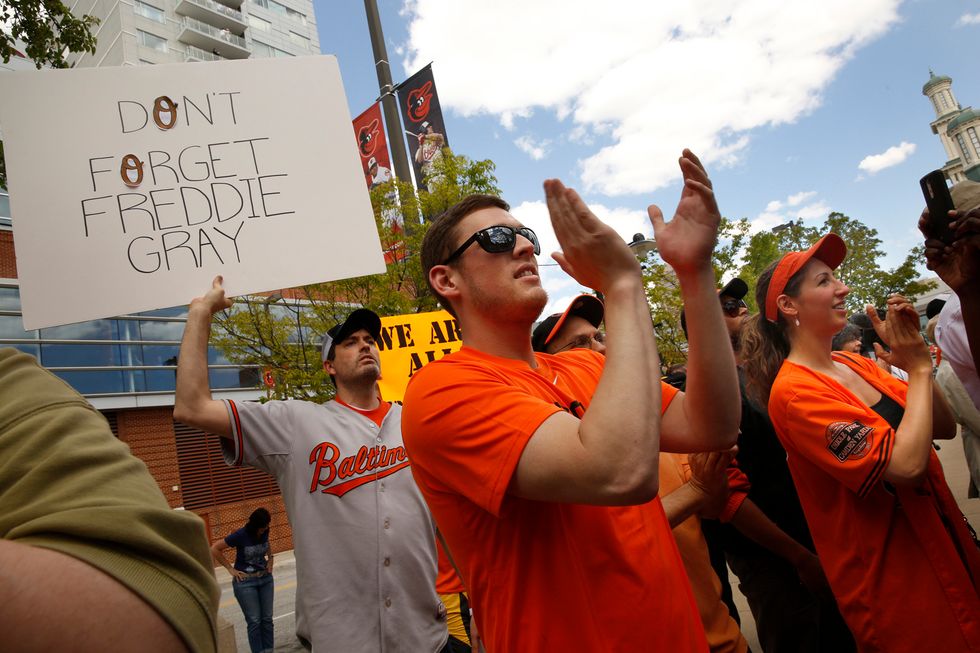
pixel 940 203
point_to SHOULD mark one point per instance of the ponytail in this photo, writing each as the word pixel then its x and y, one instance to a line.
pixel 764 345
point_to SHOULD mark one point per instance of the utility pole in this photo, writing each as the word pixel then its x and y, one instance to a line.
pixel 396 140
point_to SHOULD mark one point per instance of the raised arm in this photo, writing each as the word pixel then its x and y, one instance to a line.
pixel 610 455
pixel 959 266
pixel 193 404
pixel 923 418
pixel 706 417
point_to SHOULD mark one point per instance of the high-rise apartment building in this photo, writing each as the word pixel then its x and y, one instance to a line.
pixel 141 32
pixel 126 365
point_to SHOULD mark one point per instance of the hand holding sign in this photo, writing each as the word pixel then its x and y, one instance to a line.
pixel 213 300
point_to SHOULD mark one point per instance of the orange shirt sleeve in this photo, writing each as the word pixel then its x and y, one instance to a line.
pixel 838 434
pixel 465 428
pixel 667 394
pixel 738 491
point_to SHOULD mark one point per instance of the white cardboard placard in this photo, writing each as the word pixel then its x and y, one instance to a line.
pixel 258 180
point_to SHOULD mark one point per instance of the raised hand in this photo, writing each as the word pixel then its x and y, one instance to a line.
pixel 958 263
pixel 909 351
pixel 214 300
pixel 592 252
pixel 686 242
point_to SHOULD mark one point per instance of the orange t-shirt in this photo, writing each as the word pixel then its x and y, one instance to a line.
pixel 722 632
pixel 891 561
pixel 541 576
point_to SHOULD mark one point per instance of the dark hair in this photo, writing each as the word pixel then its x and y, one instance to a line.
pixel 438 241
pixel 260 518
pixel 764 344
pixel 847 334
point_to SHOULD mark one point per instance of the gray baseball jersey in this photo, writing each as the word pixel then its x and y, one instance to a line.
pixel 363 536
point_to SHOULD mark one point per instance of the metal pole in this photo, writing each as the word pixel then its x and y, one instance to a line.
pixel 396 140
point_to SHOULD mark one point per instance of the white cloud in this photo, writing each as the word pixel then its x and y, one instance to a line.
pixel 968 19
pixel 792 208
pixel 537 150
pixel 654 77
pixel 799 198
pixel 894 155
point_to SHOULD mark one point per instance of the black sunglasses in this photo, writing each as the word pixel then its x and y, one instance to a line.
pixel 732 307
pixel 497 239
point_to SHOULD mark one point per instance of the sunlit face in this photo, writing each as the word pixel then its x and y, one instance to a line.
pixel 505 284
pixel 577 333
pixel 820 303
pixel 355 358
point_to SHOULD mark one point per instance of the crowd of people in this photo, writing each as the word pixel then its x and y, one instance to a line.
pixel 553 489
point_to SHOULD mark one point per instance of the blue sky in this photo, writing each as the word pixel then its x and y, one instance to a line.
pixel 782 100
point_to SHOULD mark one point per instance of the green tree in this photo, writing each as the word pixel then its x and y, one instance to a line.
pixel 48 28
pixel 664 298
pixel 50 31
pixel 282 336
pixel 746 255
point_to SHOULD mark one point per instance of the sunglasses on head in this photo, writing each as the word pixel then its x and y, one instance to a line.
pixel 496 240
pixel 732 307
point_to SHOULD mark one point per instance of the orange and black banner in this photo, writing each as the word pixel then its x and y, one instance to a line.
pixel 423 123
pixel 372 146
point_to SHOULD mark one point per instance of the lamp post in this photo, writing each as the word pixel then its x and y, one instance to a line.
pixel 784 226
pixel 641 245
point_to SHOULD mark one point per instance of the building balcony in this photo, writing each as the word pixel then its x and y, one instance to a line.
pixel 213 13
pixel 197 54
pixel 219 41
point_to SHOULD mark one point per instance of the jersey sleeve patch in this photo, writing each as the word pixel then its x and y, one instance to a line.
pixel 849 440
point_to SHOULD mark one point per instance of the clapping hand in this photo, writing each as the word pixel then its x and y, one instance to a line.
pixel 686 242
pixel 591 251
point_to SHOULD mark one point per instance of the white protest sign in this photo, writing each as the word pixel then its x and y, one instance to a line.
pixel 131 188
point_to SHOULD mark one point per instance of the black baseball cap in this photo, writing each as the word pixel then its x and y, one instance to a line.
pixel 736 289
pixel 587 307
pixel 362 318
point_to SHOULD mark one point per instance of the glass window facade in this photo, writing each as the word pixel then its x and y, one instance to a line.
pixel 124 355
pixel 260 24
pixel 964 148
pixel 149 11
pixel 261 49
pixel 282 10
pixel 151 41
pixel 4 208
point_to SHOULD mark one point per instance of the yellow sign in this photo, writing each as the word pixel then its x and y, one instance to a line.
pixel 410 341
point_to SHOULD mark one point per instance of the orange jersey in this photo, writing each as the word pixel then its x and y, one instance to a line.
pixel 541 576
pixel 904 581
pixel 721 630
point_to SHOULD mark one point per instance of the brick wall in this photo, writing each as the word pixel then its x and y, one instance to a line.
pixel 149 432
pixel 8 260
pixel 224 519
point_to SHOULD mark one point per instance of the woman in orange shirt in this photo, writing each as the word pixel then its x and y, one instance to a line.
pixel 896 549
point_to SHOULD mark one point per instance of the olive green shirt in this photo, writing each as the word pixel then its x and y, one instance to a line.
pixel 67 484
